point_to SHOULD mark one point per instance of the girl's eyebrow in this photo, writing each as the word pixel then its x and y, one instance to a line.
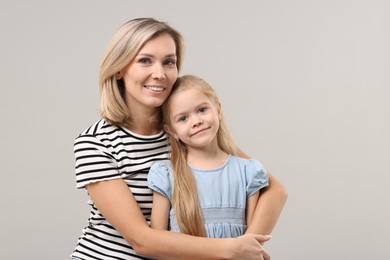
pixel 202 104
pixel 176 116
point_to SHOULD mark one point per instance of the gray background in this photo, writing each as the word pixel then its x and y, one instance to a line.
pixel 304 84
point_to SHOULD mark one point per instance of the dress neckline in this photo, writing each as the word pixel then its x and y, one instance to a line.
pixel 211 169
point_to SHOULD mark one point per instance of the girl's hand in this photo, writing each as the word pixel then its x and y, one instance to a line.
pixel 248 247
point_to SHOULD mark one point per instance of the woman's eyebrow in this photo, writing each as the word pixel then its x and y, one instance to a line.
pixel 173 55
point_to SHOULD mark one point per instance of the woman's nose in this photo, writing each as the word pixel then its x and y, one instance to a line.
pixel 158 72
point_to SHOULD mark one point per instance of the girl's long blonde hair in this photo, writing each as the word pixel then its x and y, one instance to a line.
pixel 185 201
pixel 120 52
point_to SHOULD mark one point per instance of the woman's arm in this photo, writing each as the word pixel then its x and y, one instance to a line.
pixel 269 207
pixel 160 212
pixel 116 202
pixel 251 206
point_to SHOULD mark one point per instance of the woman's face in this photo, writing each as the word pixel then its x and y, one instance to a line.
pixel 150 76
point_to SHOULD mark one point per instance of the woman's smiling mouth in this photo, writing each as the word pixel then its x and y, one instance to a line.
pixel 155 88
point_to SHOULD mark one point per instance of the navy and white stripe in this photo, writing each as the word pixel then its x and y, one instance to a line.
pixel 106 152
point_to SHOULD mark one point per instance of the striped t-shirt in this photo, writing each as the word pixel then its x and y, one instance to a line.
pixel 105 152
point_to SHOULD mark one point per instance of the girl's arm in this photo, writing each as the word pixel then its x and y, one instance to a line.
pixel 160 212
pixel 116 202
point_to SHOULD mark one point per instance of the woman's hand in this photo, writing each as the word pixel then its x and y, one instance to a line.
pixel 249 247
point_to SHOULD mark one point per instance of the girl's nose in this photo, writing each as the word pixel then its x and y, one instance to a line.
pixel 197 121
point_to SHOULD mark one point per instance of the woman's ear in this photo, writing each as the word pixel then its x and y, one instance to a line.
pixel 170 132
pixel 118 75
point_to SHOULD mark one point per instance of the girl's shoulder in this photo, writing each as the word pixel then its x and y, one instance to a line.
pixel 160 178
pixel 245 161
pixel 162 166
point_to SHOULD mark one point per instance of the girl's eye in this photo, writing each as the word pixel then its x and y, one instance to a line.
pixel 182 119
pixel 202 109
pixel 170 63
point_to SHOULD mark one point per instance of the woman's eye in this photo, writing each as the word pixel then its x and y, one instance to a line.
pixel 170 63
pixel 144 61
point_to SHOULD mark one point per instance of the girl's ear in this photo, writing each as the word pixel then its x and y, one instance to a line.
pixel 219 109
pixel 170 131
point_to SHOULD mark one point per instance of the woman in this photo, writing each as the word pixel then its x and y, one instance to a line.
pixel 114 155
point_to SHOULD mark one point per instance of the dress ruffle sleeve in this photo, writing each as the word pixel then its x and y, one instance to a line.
pixel 159 179
pixel 257 177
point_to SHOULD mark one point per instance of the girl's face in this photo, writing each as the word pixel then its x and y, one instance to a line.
pixel 194 118
pixel 150 76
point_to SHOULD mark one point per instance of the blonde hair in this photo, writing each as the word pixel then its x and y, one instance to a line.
pixel 120 52
pixel 185 201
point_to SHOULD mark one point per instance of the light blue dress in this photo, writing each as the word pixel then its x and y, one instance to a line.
pixel 222 193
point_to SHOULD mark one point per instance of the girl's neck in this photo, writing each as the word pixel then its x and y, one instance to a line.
pixel 206 158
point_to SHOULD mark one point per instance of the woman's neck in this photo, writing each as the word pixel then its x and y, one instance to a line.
pixel 144 122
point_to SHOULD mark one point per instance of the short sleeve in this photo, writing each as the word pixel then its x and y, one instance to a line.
pixel 256 175
pixel 159 179
pixel 94 161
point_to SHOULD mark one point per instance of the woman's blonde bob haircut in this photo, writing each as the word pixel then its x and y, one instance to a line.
pixel 120 52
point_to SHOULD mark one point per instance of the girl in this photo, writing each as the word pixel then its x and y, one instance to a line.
pixel 113 157
pixel 211 190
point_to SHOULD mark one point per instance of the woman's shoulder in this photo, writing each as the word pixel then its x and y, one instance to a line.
pixel 97 128
pixel 94 138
